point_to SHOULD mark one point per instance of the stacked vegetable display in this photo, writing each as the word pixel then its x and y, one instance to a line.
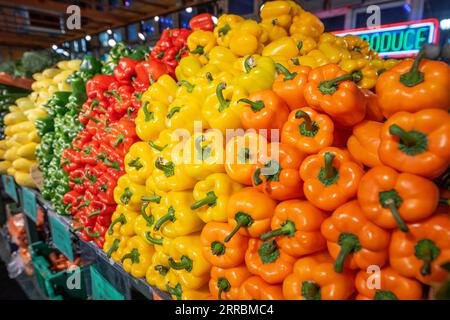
pixel 21 134
pixel 303 218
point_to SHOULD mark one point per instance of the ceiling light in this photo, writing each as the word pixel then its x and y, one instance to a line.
pixel 189 9
pixel 141 36
pixel 444 24
pixel 109 31
pixel 88 38
pixel 156 18
pixel 54 47
pixel 111 42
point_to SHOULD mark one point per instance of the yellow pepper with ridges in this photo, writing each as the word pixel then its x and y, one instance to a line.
pixel 143 227
pixel 223 108
pixel 179 292
pixel 224 28
pixel 129 193
pixel 138 257
pixel 279 12
pixel 122 221
pixel 159 273
pixel 163 90
pixel 359 45
pixel 203 154
pixel 115 245
pixel 188 67
pixel 211 197
pixel 315 58
pixel 187 262
pixel 151 120
pixel 183 112
pixel 207 85
pixel 247 38
pixel 223 58
pixel 273 30
pixel 369 74
pixel 200 43
pixel 139 162
pixel 257 73
pixel 307 24
pixel 174 216
pixel 285 46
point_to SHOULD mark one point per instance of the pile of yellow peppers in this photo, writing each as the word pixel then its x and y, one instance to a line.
pixel 19 146
pixel 164 199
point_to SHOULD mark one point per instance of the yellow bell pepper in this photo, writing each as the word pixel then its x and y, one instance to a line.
pixel 22 178
pixel 206 84
pixel 258 73
pixel 22 164
pixel 247 38
pixel 280 12
pixel 138 257
pixel 150 120
pixel 139 162
pixel 122 221
pixel 115 245
pixel 200 43
pixel 179 292
pixel 223 108
pixel 357 44
pixel 382 65
pixel 174 216
pixel 27 151
pixel 211 197
pixel 307 24
pixel 163 90
pixel 273 30
pixel 223 58
pixel 159 273
pixel 224 28
pixel 285 46
pixel 187 67
pixel 182 113
pixel 143 227
pixel 369 74
pixel 129 193
pixel 203 154
pixel 333 52
pixel 313 59
pixel 305 43
pixel 4 166
pixel 187 262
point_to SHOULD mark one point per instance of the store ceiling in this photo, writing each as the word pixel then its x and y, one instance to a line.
pixel 41 23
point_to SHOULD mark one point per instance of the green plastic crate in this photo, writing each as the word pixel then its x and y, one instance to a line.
pixel 54 284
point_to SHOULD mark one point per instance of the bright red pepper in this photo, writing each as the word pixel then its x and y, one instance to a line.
pixel 202 21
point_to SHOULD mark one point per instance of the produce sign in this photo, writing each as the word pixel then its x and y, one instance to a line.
pixel 29 203
pixel 399 39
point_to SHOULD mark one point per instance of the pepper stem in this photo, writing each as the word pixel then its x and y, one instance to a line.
pixel 224 286
pixel 133 255
pixel 427 251
pixel 328 174
pixel 167 168
pixel 198 50
pixel 308 127
pixel 153 240
pixel 175 291
pixel 331 86
pixel 189 86
pixel 150 219
pixel 210 200
pixel 243 220
pixel 169 216
pixel 113 248
pixel 391 199
pixel 287 74
pixel 217 248
pixel 223 103
pixel 287 229
pixel 311 290
pixel 161 269
pixel 411 142
pixel 92 234
pixel 121 219
pixel 148 114
pixel 256 106
pixel 268 252
pixel 349 243
pixel 184 264
pixel 413 77
pixel 384 295
pixel 154 198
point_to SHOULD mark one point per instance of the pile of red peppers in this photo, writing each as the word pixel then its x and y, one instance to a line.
pixel 95 160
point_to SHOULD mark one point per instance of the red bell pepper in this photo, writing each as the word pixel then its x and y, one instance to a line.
pixel 202 21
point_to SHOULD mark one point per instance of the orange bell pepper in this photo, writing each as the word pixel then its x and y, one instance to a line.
pixel 266 111
pixel 330 178
pixel 422 251
pixel 218 252
pixel 314 279
pixel 332 90
pixel 296 226
pixel 249 212
pixel 267 260
pixel 353 240
pixel 373 110
pixel 290 84
pixel 389 199
pixel 393 286
pixel 225 283
pixel 283 181
pixel 417 143
pixel 308 130
pixel 414 85
pixel 255 288
pixel 364 142
pixel 241 156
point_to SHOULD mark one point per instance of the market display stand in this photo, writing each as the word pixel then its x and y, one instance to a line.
pixel 101 278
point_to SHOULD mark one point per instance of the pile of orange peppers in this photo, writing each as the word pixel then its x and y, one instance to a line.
pixel 352 182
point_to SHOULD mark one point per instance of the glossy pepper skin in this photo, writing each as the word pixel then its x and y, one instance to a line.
pixel 313 278
pixel 391 199
pixel 264 110
pixel 211 197
pixel 364 142
pixel 218 252
pixel 247 38
pixel 422 251
pixel 414 85
pixel 163 90
pixel 290 84
pixel 139 162
pixel 137 257
pixel 256 73
pixel 296 227
pixel 158 273
pixel 202 21
pixel 129 193
pixel 332 90
pixel 308 130
pixel 352 240
pixel 330 178
pixel 393 286
pixel 150 120
pixel 187 262
pixel 255 288
pixel 417 143
pixel 308 24
pixel 225 27
pixel 373 110
pixel 242 154
pixel 249 213
pixel 225 283
pixel 200 43
pixel 267 260
pixel 277 173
